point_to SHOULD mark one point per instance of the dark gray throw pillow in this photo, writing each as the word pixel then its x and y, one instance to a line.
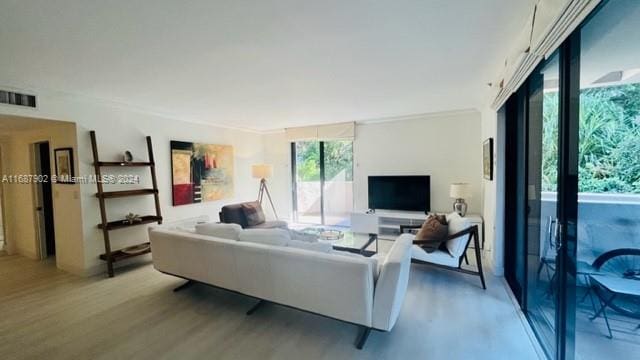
pixel 253 213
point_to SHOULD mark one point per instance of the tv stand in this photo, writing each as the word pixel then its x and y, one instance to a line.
pixel 389 221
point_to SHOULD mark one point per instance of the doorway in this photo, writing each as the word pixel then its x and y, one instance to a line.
pixel 43 200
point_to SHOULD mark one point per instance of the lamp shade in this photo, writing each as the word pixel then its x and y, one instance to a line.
pixel 261 171
pixel 460 191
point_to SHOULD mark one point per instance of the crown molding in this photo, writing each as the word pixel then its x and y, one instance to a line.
pixel 422 116
pixel 44 93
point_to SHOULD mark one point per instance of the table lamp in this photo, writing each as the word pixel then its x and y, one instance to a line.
pixel 263 172
pixel 460 191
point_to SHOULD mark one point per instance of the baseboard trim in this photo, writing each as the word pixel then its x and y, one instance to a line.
pixel 523 319
pixel 27 253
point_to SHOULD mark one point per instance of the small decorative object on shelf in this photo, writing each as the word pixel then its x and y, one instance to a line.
pixel 132 218
pixel 127 157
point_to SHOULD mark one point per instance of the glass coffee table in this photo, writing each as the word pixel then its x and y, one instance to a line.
pixel 345 240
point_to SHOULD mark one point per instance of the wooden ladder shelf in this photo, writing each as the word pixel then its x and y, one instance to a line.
pixel 111 256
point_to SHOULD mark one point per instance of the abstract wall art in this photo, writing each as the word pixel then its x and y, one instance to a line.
pixel 201 172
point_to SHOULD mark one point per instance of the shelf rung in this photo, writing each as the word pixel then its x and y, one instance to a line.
pixel 119 255
pixel 124 193
pixel 124 164
pixel 119 224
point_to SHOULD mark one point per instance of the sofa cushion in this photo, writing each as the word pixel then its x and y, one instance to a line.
pixel 224 231
pixel 271 224
pixel 253 213
pixel 437 257
pixel 311 246
pixel 456 224
pixel 279 237
pixel 302 236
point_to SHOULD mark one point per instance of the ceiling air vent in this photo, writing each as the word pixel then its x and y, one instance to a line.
pixel 14 98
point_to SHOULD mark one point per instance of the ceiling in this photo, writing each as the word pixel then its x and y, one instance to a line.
pixel 262 64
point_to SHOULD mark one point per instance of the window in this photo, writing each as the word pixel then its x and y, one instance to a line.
pixel 322 182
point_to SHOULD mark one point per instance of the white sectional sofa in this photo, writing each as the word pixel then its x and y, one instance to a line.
pixel 368 292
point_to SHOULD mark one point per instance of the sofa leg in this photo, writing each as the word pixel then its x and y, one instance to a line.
pixel 362 338
pixel 183 286
pixel 256 307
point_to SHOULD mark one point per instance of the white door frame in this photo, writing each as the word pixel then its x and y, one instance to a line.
pixel 3 214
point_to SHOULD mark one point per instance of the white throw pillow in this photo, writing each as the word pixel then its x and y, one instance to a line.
pixel 456 224
pixel 301 236
pixel 279 237
pixel 224 231
pixel 311 246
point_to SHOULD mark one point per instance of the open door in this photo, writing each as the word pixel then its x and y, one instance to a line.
pixel 43 200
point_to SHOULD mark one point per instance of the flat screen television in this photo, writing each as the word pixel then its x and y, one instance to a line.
pixel 408 193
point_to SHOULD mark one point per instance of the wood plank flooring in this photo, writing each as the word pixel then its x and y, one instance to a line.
pixel 46 313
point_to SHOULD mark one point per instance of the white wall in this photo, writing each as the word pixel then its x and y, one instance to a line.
pixel 21 219
pixel 121 128
pixel 446 146
pixel 493 192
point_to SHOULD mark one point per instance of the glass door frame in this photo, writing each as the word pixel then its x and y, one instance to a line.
pixel 294 184
pixel 517 114
pixel 569 126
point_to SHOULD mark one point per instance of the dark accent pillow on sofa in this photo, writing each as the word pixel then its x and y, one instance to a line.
pixel 253 213
pixel 434 232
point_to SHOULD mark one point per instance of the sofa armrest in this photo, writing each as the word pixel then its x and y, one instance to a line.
pixel 392 283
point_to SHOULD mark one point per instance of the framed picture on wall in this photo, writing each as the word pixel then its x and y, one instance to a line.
pixel 64 165
pixel 201 172
pixel 487 158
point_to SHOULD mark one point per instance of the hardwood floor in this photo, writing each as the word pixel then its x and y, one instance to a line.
pixel 47 313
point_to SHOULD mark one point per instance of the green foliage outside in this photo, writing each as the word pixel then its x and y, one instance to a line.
pixel 338 159
pixel 609 145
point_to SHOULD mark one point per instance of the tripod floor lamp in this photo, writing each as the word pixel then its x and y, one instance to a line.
pixel 263 172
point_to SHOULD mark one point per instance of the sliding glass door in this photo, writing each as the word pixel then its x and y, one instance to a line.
pixel 572 227
pixel 607 297
pixel 322 173
pixel 542 200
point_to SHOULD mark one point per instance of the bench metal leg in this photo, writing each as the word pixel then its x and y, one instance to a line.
pixel 256 307
pixel 362 338
pixel 183 286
